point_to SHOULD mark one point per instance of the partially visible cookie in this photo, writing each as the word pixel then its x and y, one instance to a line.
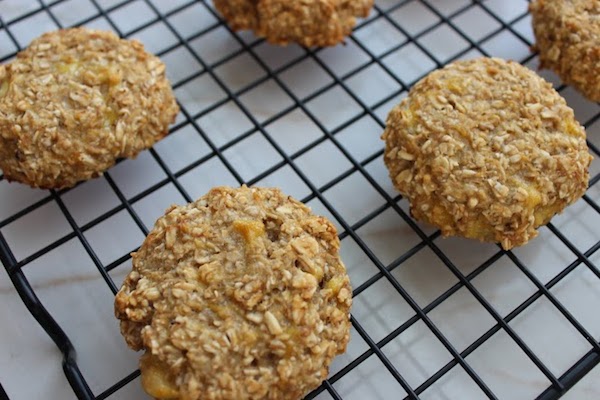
pixel 568 40
pixel 486 149
pixel 238 295
pixel 307 22
pixel 74 102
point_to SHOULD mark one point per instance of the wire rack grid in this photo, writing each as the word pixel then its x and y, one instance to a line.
pixel 432 318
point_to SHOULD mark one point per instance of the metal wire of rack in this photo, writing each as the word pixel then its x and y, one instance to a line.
pixel 337 81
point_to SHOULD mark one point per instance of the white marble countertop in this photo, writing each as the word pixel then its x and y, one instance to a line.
pixel 68 283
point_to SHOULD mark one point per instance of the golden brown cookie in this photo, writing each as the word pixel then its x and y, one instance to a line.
pixel 486 149
pixel 238 295
pixel 568 40
pixel 74 102
pixel 307 22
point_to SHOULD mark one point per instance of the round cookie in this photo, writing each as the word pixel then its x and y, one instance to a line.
pixel 307 22
pixel 568 40
pixel 238 295
pixel 486 149
pixel 74 102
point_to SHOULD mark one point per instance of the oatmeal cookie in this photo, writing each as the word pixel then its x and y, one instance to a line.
pixel 238 295
pixel 486 149
pixel 307 22
pixel 568 40
pixel 74 102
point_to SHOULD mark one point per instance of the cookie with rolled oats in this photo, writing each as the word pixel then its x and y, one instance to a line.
pixel 307 22
pixel 238 295
pixel 74 102
pixel 486 149
pixel 567 36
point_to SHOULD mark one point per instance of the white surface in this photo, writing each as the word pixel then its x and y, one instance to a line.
pixel 69 285
pixel 27 353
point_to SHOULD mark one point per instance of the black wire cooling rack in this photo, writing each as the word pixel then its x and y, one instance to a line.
pixel 408 282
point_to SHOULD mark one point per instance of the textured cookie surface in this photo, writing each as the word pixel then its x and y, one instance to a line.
pixel 307 22
pixel 74 102
pixel 486 149
pixel 239 295
pixel 568 40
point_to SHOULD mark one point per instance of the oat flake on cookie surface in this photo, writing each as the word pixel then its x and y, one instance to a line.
pixel 307 22
pixel 74 102
pixel 486 149
pixel 238 295
pixel 567 36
